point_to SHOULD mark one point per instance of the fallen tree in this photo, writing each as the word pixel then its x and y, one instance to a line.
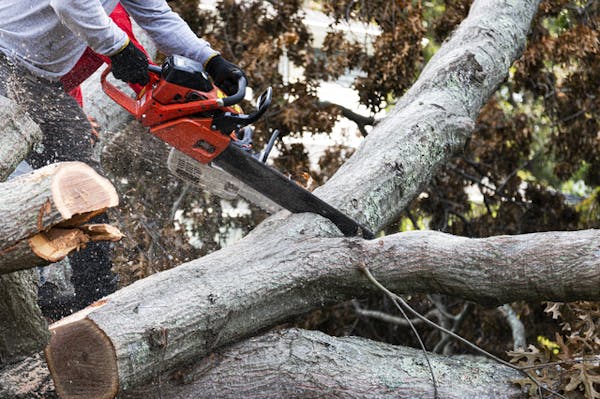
pixel 287 265
pixel 141 330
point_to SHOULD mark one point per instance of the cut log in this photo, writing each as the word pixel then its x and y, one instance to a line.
pixel 41 213
pixel 90 371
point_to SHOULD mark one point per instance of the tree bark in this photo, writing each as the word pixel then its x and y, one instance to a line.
pixel 27 379
pixel 309 364
pixel 301 364
pixel 18 133
pixel 23 329
pixel 41 214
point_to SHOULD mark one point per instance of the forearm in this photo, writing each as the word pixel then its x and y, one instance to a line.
pixel 89 21
pixel 170 33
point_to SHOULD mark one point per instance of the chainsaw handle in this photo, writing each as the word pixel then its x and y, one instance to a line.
pixel 238 96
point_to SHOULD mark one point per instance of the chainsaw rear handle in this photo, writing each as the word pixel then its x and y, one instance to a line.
pixel 223 102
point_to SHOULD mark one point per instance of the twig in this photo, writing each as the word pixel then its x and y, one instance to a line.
pixel 402 304
pixel 516 326
pixel 177 203
pixel 360 120
pixel 374 314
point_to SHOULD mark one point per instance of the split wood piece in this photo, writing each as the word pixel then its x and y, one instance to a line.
pixel 52 246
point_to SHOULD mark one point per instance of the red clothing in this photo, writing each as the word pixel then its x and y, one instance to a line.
pixel 91 61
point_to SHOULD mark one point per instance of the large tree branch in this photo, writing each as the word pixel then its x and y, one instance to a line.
pixel 434 118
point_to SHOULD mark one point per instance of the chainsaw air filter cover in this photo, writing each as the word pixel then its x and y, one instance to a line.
pixel 185 72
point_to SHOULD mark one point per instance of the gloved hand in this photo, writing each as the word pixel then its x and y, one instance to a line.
pixel 225 74
pixel 130 65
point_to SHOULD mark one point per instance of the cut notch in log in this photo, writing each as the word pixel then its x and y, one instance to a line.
pixel 81 358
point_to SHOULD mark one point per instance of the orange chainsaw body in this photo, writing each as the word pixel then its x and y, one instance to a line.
pixel 178 115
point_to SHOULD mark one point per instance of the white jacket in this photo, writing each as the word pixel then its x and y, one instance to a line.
pixel 49 36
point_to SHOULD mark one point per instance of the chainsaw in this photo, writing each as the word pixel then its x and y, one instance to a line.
pixel 182 107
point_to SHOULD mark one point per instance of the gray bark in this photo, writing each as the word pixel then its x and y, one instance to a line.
pixel 309 364
pixel 23 329
pixel 18 133
pixel 182 314
pixel 301 364
pixel 27 379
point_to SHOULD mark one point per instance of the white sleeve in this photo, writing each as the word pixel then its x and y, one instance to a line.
pixel 88 20
pixel 170 33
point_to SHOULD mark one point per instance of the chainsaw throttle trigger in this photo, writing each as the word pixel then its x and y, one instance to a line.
pixel 229 121
pixel 155 69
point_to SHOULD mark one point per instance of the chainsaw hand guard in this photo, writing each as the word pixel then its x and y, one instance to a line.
pixel 229 121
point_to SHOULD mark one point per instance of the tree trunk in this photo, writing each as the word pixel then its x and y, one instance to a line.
pixel 41 214
pixel 433 120
pixel 18 133
pixel 301 364
pixel 309 364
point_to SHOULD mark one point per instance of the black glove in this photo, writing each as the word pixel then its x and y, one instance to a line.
pixel 225 74
pixel 130 65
